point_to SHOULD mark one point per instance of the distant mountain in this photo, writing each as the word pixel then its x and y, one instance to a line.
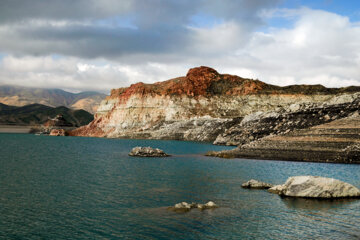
pixel 21 96
pixel 35 114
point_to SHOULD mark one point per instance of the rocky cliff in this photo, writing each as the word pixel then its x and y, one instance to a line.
pixel 200 106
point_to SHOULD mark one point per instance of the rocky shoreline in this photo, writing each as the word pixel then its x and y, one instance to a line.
pixel 336 142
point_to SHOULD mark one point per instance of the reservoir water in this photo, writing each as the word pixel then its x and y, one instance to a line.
pixel 89 188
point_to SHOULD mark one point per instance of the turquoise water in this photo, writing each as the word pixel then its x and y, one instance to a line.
pixel 88 188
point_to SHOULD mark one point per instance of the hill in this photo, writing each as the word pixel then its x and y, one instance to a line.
pixel 196 107
pixel 35 114
pixel 21 96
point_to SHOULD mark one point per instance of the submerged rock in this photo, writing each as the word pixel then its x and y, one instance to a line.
pixel 315 187
pixel 256 184
pixel 147 152
pixel 185 207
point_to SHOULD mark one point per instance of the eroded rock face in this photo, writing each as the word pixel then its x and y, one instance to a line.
pixel 199 106
pixel 336 141
pixel 297 116
pixel 316 187
pixel 147 152
pixel 256 184
pixel 57 132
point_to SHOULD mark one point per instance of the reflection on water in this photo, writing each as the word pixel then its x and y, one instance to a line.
pixel 317 204
pixel 89 188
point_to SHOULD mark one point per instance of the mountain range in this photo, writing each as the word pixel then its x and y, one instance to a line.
pixel 21 96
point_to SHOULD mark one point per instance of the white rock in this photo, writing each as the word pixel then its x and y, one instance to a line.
pixel 316 187
pixel 294 107
pixel 256 184
pixel 200 206
pixel 277 189
pixel 210 204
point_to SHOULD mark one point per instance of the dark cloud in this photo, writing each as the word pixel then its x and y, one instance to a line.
pixel 111 28
pixel 18 10
pixel 91 41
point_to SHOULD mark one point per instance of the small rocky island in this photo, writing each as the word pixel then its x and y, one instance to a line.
pixel 147 152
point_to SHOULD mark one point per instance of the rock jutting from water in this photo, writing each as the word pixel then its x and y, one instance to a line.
pixel 57 132
pixel 256 184
pixel 185 207
pixel 316 187
pixel 147 152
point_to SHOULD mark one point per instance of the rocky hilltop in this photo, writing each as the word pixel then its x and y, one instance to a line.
pixel 204 105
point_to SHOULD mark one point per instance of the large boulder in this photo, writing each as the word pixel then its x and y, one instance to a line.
pixel 256 184
pixel 147 152
pixel 315 187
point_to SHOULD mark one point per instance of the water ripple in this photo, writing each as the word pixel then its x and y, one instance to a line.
pixel 88 188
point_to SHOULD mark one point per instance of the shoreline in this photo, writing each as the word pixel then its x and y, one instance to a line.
pixel 15 129
pixel 279 155
pixel 254 153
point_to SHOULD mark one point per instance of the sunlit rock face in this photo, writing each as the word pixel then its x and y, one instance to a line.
pixel 199 106
pixel 316 187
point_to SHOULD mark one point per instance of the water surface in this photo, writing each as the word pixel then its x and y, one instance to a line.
pixel 88 188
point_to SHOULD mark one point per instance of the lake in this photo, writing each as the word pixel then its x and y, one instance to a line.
pixel 89 188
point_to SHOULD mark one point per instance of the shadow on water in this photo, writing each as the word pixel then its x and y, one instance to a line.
pixel 317 204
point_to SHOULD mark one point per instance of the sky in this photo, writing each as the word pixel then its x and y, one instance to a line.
pixel 99 45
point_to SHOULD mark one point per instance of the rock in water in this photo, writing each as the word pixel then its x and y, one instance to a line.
pixel 277 189
pixel 147 152
pixel 256 184
pixel 316 187
pixel 57 132
pixel 210 204
pixel 185 207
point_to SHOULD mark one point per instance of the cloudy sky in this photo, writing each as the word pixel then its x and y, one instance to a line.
pixel 99 45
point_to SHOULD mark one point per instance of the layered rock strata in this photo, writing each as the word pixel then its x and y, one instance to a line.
pixel 296 116
pixel 337 141
pixel 201 106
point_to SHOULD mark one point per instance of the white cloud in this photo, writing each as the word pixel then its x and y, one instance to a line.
pixel 318 47
pixel 322 48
